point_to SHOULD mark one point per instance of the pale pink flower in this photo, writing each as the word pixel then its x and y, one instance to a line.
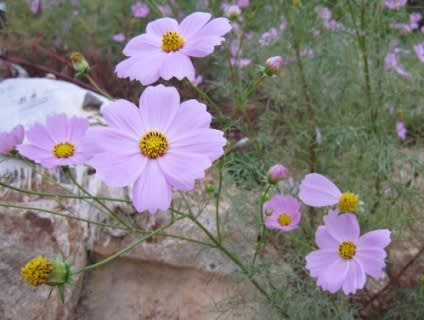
pixel 241 63
pixel 285 213
pixel 273 64
pixel 118 37
pixel 166 47
pixel 231 11
pixel 401 130
pixel 419 50
pixel 140 10
pixel 35 6
pixel 317 190
pixel 10 139
pixel 344 257
pixel 153 148
pixel 277 173
pixel 392 63
pixel 395 4
pixel 243 3
pixel 414 19
pixel 58 143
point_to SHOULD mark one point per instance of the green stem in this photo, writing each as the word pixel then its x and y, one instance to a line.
pixel 121 252
pixel 261 239
pixel 109 212
pixel 218 198
pixel 95 85
pixel 58 195
pixel 230 255
pixel 4 205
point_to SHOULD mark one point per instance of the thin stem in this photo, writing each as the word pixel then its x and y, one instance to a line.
pixel 6 205
pixel 58 195
pixel 218 198
pixel 121 252
pixel 95 85
pixel 109 212
pixel 261 239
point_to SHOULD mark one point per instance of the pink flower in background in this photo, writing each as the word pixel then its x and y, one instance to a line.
pixel 10 139
pixel 401 130
pixel 118 37
pixel 35 6
pixel 162 144
pixel 414 19
pixel 166 47
pixel 344 258
pixel 277 173
pixel 243 3
pixel 317 190
pixel 198 80
pixel 328 22
pixel 140 10
pixel 419 50
pixel 285 214
pixel 58 143
pixel 231 11
pixel 392 64
pixel 395 4
pixel 242 62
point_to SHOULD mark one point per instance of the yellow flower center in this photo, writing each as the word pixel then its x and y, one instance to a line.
pixel 172 41
pixel 284 219
pixel 348 202
pixel 347 250
pixel 37 271
pixel 76 57
pixel 153 144
pixel 63 150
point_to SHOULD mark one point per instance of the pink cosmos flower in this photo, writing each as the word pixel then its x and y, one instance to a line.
pixel 58 143
pixel 243 3
pixel 10 139
pixel 316 190
pixel 118 37
pixel 166 47
pixel 419 50
pixel 345 258
pixel 401 130
pixel 285 213
pixel 391 62
pixel 35 6
pixel 140 10
pixel 395 4
pixel 162 144
pixel 277 173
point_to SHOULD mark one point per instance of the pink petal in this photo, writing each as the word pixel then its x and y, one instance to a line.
pixel 318 191
pixel 162 25
pixel 375 239
pixel 181 169
pixel 216 27
pixel 192 114
pixel 18 133
pixel 193 23
pixel 177 65
pixel 125 116
pixel 113 141
pixel 209 142
pixel 201 47
pixel 34 152
pixel 117 170
pixel 355 278
pixel 317 261
pixel 151 191
pixel 159 106
pixel 38 135
pixel 58 127
pixel 78 128
pixel 334 275
pixel 324 240
pixel 372 261
pixel 142 67
pixel 142 43
pixel 343 227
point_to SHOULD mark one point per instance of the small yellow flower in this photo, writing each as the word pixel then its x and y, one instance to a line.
pixel 79 63
pixel 37 271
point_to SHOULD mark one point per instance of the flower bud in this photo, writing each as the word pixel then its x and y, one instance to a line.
pixel 210 188
pixel 78 62
pixel 273 65
pixel 277 173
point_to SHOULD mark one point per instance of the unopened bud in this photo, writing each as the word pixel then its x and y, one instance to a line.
pixel 210 188
pixel 277 173
pixel 79 63
pixel 268 212
pixel 273 65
